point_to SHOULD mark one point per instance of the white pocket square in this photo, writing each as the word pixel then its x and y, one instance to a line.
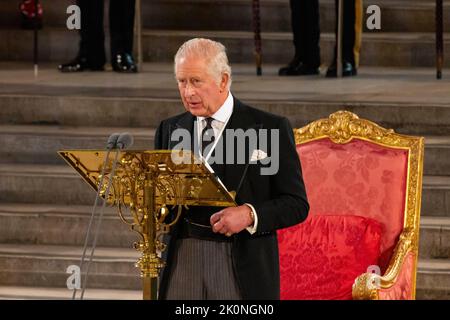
pixel 258 155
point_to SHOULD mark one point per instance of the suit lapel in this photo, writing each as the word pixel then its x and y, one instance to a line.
pixel 240 119
pixel 186 122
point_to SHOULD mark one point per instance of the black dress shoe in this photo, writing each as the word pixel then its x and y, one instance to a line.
pixel 347 70
pixel 124 63
pixel 79 64
pixel 297 68
pixel 286 70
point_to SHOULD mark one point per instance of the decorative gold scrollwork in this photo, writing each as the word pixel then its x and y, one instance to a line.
pixel 150 190
pixel 343 126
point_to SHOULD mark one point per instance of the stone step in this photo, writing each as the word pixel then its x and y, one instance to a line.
pixel 43 184
pixel 407 118
pixel 62 225
pixel 434 239
pixel 107 99
pixel 436 196
pixel 40 143
pixel 433 279
pixel 378 49
pixel 45 266
pixel 275 15
pixel 44 293
pixel 437 153
pixel 432 294
pixel 45 224
pixel 55 184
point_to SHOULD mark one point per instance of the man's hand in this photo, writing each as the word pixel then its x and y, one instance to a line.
pixel 231 220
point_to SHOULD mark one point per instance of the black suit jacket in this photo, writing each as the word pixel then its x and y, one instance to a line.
pixel 279 200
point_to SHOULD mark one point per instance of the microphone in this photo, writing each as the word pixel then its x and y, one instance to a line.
pixel 112 141
pixel 124 141
pixel 117 141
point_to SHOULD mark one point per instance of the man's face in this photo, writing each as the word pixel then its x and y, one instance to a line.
pixel 199 91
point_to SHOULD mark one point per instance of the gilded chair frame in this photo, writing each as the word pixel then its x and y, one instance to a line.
pixel 343 126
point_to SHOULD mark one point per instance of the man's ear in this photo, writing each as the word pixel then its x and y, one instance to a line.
pixel 224 81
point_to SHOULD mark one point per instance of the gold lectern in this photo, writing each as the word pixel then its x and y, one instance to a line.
pixel 145 183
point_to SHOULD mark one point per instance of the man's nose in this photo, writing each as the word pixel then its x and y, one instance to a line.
pixel 189 90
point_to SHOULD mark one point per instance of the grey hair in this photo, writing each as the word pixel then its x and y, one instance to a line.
pixel 212 51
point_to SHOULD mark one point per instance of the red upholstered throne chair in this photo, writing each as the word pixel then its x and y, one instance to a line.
pixel 360 240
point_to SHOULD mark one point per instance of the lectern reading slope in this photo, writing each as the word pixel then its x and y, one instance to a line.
pixel 144 186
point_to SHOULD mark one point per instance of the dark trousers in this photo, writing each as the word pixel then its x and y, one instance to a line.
pixel 306 30
pixel 121 25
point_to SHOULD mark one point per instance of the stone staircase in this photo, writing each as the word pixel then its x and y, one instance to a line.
pixel 406 37
pixel 45 206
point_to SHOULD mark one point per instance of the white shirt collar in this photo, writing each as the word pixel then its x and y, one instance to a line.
pixel 224 112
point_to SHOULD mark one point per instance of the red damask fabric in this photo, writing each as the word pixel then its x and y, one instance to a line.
pixel 358 178
pixel 321 258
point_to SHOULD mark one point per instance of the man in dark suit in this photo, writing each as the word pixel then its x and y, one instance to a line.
pixel 306 31
pixel 91 55
pixel 230 253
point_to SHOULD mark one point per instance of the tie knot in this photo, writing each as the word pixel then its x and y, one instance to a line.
pixel 209 122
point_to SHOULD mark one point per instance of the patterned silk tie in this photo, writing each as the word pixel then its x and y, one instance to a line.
pixel 207 135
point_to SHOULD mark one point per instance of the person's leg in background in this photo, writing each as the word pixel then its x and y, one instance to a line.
pixel 351 38
pixel 121 21
pixel 91 54
pixel 352 49
pixel 306 31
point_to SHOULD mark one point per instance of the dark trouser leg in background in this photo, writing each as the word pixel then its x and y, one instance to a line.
pixel 351 37
pixel 92 43
pixel 121 20
pixel 91 52
pixel 306 32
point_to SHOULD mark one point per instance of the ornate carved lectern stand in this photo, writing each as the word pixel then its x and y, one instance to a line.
pixel 149 189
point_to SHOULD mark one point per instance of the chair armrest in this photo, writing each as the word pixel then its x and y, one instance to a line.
pixel 396 283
